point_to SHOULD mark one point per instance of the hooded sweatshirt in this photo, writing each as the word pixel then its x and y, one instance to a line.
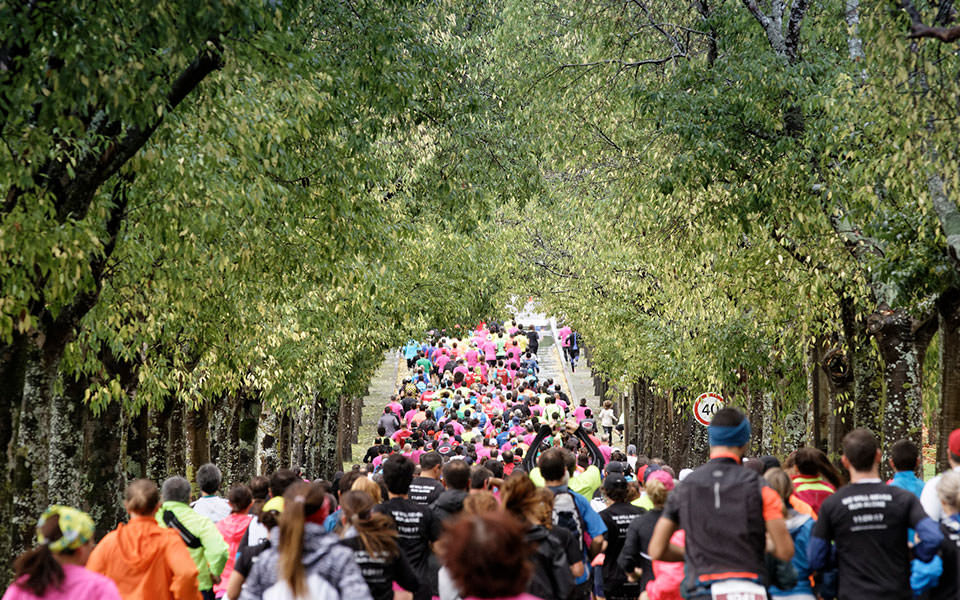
pixel 323 555
pixel 232 529
pixel 146 562
pixel 448 504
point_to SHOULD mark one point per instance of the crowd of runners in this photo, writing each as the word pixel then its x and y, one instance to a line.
pixel 487 481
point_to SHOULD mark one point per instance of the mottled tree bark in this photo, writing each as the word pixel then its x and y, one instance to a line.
pixel 948 308
pixel 267 434
pixel 103 464
pixel 903 342
pixel 197 422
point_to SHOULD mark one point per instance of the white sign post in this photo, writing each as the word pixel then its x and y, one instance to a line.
pixel 706 406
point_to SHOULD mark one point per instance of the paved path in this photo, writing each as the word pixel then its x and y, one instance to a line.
pixel 382 386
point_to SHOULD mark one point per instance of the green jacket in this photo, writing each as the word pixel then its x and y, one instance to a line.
pixel 212 555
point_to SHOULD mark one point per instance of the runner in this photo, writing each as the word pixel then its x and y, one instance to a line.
pixel 416 526
pixel 232 529
pixel 617 516
pixel 54 569
pixel 373 540
pixel 815 478
pixel 209 504
pixel 721 501
pixel 800 527
pixel 206 545
pixel 303 560
pixel 868 521
pixel 929 498
pixel 634 560
pixel 145 561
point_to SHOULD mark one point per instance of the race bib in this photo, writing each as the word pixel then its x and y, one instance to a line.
pixel 737 589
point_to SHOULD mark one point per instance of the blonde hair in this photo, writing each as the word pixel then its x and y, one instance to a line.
pixel 478 503
pixel 365 484
pixel 657 492
pixel 948 490
pixel 780 482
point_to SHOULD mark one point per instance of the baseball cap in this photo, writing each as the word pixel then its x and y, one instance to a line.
pixel 275 503
pixel 954 442
pixel 614 481
pixel 614 467
pixel 661 476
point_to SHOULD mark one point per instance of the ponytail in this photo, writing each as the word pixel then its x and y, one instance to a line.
pixel 41 569
pixel 300 502
pixel 376 531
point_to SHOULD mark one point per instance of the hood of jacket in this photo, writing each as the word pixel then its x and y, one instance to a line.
pixel 233 527
pixel 141 541
pixel 450 501
pixel 317 543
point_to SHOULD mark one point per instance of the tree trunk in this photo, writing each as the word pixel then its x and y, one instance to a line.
pixel 66 445
pixel 12 373
pixel 31 452
pixel 949 327
pixel 103 497
pixel 197 423
pixel 902 342
pixel 867 380
pixel 267 433
pixel 325 430
pixel 176 439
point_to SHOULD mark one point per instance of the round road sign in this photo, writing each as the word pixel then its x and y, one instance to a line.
pixel 706 406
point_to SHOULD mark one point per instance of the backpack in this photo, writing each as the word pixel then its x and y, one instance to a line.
pixel 551 579
pixel 318 588
pixel 173 522
pixel 566 515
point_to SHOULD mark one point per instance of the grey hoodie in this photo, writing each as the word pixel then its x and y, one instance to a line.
pixel 322 554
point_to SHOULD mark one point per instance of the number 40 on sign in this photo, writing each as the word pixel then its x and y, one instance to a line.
pixel 706 406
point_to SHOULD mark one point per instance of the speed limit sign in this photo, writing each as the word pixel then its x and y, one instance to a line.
pixel 706 406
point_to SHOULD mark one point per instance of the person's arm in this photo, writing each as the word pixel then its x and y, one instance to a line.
pixel 215 550
pixel 776 524
pixel 404 574
pixel 530 457
pixel 660 547
pixel 234 585
pixel 929 535
pixel 595 454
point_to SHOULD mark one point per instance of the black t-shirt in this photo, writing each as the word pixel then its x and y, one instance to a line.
pixel 635 545
pixel 380 572
pixel 247 555
pixel 947 587
pixel 868 523
pixel 416 528
pixel 618 517
pixel 424 490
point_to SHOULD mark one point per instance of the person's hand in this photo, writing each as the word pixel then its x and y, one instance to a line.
pixel 571 425
pixel 215 579
pixel 635 575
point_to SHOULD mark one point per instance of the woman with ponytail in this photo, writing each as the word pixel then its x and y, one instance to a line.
pixel 304 561
pixel 373 539
pixel 54 569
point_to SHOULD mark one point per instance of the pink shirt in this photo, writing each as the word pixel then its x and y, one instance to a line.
pixel 473 357
pixel 78 584
pixel 580 413
pixel 489 350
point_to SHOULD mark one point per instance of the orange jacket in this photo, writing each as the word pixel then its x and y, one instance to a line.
pixel 146 561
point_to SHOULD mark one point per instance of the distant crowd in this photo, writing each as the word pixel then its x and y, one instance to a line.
pixel 486 481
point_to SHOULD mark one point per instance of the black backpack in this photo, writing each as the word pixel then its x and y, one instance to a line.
pixel 552 579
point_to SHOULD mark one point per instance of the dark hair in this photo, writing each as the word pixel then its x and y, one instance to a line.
pixel 486 555
pixel 376 531
pixel 860 448
pixel 728 417
pixel 240 498
pixel 553 464
pixel 346 482
pixel 479 476
pixel 281 480
pixel 259 487
pixel 398 473
pixel 904 454
pixel 41 569
pixel 456 475
pixel 812 462
pixel 142 497
pixel 495 466
pixel 209 478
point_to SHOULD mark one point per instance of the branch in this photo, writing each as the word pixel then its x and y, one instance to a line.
pixel 919 30
pixel 772 24
pixel 797 12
